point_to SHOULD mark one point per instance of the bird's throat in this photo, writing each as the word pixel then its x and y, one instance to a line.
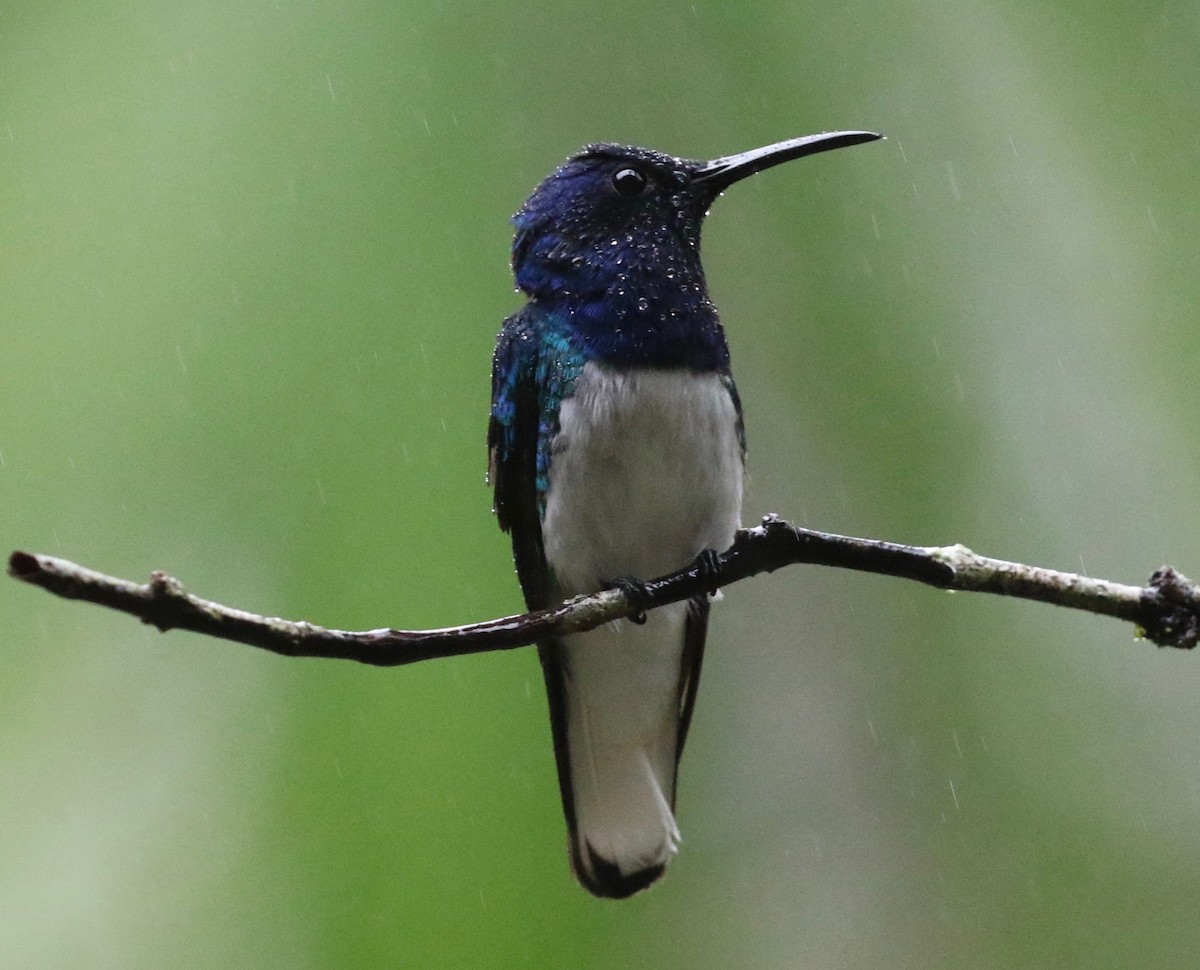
pixel 650 326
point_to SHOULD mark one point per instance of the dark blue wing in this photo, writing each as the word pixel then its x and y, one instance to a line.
pixel 513 439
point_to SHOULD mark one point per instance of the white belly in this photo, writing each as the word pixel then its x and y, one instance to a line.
pixel 646 473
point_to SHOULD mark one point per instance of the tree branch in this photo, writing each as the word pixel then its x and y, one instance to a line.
pixel 1166 610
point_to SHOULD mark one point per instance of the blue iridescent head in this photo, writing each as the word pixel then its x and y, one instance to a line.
pixel 622 224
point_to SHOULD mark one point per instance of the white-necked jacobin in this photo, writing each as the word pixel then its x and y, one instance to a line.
pixel 616 451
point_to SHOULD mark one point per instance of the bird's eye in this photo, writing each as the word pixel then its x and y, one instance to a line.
pixel 629 182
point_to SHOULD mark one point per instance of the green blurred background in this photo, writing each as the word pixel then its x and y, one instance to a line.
pixel 252 262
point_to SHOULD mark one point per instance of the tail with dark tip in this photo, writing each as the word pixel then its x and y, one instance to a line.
pixel 619 729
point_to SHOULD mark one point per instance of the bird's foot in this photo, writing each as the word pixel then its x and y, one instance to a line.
pixel 636 591
pixel 708 568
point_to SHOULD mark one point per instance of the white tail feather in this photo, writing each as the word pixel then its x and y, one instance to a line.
pixel 622 706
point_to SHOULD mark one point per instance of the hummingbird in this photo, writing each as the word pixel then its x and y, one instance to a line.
pixel 616 451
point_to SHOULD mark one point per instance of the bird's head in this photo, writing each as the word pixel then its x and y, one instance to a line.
pixel 615 222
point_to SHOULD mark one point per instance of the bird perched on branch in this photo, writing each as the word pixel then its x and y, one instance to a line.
pixel 616 452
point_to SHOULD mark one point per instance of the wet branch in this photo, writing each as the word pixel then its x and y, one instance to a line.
pixel 1165 611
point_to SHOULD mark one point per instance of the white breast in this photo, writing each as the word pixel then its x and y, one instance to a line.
pixel 646 473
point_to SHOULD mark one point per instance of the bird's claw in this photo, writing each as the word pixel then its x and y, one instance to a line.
pixel 635 591
pixel 708 568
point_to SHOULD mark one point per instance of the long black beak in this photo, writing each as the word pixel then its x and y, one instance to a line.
pixel 721 173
